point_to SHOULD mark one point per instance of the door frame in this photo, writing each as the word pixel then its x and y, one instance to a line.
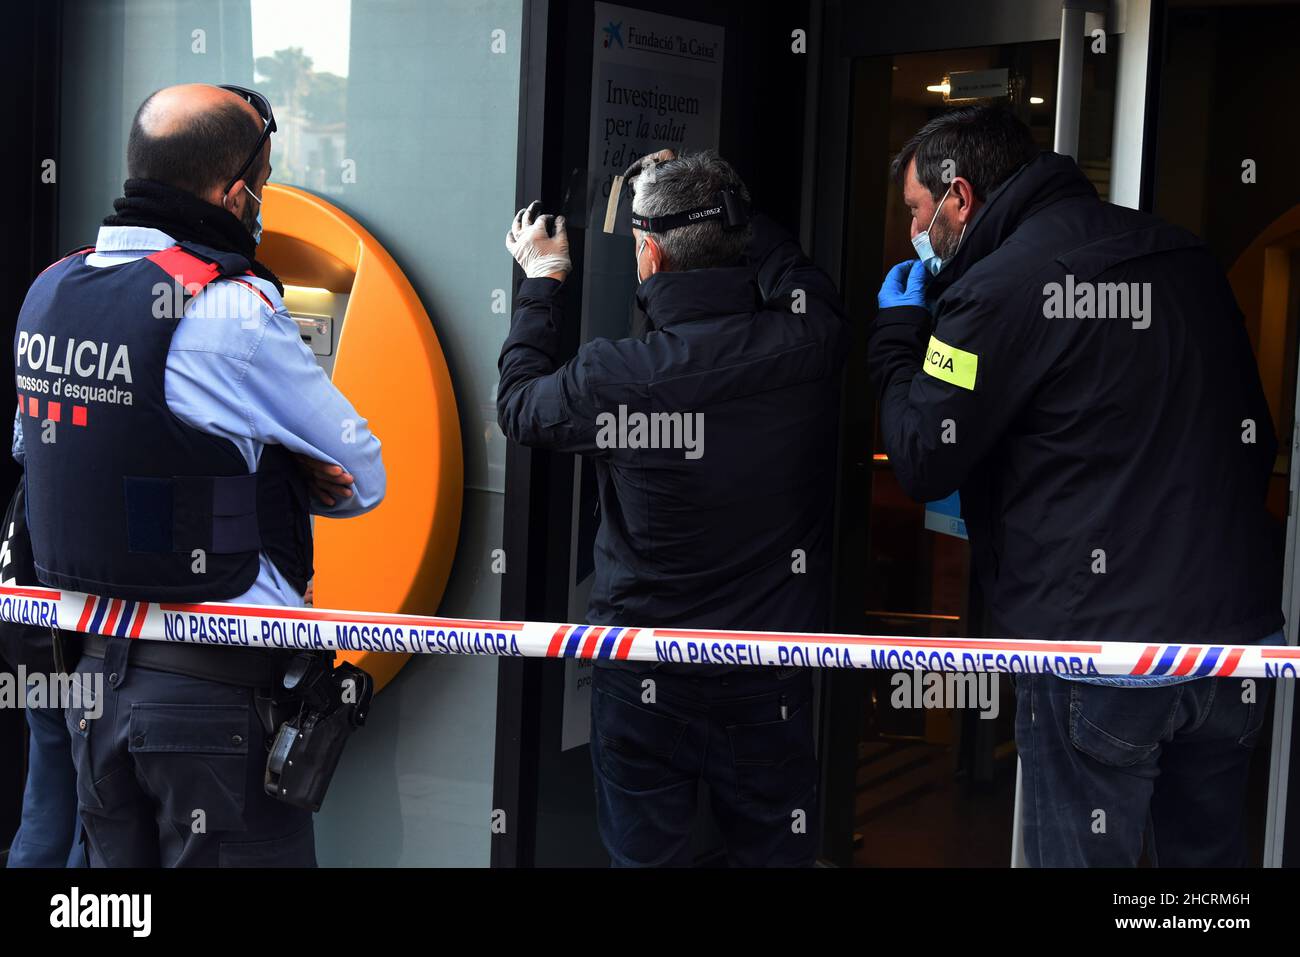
pixel 540 486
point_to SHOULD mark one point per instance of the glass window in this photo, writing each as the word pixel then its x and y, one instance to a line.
pixel 931 786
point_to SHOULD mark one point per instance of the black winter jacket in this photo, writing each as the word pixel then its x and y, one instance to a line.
pixel 1112 470
pixel 740 536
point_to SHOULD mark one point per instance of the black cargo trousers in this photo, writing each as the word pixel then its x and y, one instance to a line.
pixel 170 772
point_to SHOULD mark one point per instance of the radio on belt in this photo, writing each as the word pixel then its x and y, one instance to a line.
pixel 333 701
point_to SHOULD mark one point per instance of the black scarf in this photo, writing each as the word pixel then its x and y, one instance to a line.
pixel 186 218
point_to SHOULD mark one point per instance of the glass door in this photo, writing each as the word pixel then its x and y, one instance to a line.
pixel 932 784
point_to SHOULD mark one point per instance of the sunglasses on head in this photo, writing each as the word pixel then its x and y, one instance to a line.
pixel 263 107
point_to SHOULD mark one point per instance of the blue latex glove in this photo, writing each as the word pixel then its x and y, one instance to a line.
pixel 904 286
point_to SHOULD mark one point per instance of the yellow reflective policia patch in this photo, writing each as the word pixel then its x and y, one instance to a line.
pixel 951 364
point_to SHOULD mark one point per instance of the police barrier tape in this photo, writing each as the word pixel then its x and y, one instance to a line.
pixel 322 629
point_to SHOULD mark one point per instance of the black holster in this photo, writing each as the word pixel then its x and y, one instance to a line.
pixel 312 717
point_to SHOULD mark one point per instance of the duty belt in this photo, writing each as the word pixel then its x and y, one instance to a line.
pixel 250 667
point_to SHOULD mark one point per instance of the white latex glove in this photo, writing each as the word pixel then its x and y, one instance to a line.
pixel 539 254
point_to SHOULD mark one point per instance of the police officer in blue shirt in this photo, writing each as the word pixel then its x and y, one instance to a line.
pixel 177 435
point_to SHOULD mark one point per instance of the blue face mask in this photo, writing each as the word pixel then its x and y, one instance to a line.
pixel 921 242
pixel 257 232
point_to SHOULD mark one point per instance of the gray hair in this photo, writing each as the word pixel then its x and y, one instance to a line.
pixel 692 181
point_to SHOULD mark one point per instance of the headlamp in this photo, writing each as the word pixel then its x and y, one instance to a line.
pixel 727 206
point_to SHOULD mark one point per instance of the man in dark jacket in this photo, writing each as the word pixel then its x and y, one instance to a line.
pixel 1081 372
pixel 746 344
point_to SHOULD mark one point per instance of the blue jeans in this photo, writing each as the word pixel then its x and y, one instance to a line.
pixel 1107 769
pixel 47 834
pixel 749 734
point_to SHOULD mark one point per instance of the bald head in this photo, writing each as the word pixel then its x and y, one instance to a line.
pixel 195 137
pixel 172 108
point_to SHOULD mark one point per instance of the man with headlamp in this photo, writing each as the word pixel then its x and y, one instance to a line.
pixel 745 344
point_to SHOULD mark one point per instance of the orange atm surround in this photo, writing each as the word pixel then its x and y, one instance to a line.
pixel 368 328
